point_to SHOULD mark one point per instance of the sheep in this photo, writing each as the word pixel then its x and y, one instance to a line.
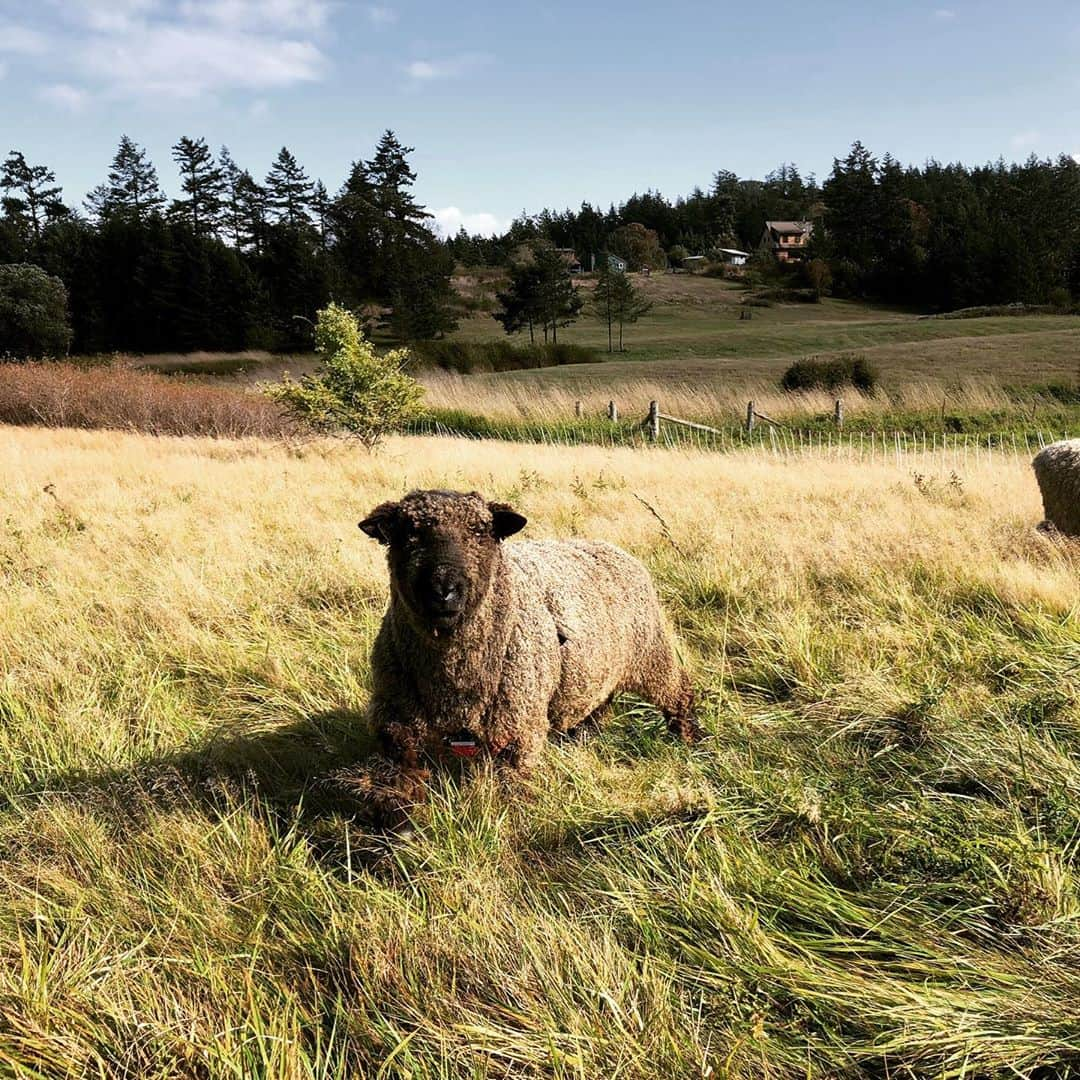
pixel 486 648
pixel 1057 470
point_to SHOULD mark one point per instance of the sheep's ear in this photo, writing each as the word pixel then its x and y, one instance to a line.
pixel 379 522
pixel 505 521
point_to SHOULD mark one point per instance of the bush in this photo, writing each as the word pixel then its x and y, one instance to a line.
pixel 122 398
pixel 33 313
pixel 783 294
pixel 466 357
pixel 357 391
pixel 830 373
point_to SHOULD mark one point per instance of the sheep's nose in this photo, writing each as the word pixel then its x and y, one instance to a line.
pixel 445 589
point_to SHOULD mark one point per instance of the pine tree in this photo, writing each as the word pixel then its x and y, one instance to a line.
pixel 559 299
pixel 36 198
pixel 132 190
pixel 602 303
pixel 251 207
pixel 629 303
pixel 203 182
pixel 353 221
pixel 320 207
pixel 231 216
pixel 289 191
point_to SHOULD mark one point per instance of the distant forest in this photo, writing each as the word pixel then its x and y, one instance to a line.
pixel 937 238
pixel 235 262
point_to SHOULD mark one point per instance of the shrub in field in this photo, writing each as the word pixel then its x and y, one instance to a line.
pixel 357 391
pixel 830 373
pixel 33 313
pixel 63 395
pixel 499 355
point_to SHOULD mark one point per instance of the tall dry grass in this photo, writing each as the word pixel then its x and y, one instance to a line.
pixel 509 399
pixel 868 868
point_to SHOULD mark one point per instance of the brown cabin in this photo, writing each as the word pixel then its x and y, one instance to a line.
pixel 787 240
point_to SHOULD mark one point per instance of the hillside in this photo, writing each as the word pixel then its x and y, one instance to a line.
pixel 694 332
pixel 868 868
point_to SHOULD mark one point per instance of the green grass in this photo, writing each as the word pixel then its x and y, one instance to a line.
pixel 694 331
pixel 868 868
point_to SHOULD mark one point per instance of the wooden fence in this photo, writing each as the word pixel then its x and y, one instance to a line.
pixel 783 439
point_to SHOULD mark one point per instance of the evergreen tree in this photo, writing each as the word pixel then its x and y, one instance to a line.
pixel 602 304
pixel 251 209
pixel 629 303
pixel 289 191
pixel 203 182
pixel 353 220
pixel 320 207
pixel 519 302
pixel 559 302
pixel 32 196
pixel 132 190
pixel 232 220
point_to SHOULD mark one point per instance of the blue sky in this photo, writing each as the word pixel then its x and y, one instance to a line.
pixel 515 106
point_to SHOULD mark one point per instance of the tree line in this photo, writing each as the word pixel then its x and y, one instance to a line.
pixel 935 236
pixel 232 262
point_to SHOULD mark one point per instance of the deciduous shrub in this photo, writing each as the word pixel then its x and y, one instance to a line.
pixel 122 398
pixel 830 373
pixel 357 391
pixel 33 313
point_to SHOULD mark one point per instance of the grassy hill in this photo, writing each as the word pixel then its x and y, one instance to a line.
pixel 868 868
pixel 694 332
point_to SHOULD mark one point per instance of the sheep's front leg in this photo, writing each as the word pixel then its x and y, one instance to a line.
pixel 397 780
pixel 523 751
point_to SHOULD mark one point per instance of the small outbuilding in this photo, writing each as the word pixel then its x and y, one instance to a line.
pixel 733 256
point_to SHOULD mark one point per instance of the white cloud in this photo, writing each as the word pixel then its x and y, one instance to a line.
pixel 944 13
pixel 381 16
pixel 181 49
pixel 259 15
pixel 65 96
pixel 1025 139
pixel 187 62
pixel 450 219
pixel 450 67
pixel 21 39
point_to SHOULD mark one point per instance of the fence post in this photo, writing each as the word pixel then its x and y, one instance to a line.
pixel 577 409
pixel 839 413
pixel 654 420
pixel 612 411
pixel 749 418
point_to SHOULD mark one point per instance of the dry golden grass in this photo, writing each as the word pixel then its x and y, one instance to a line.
pixel 506 398
pixel 868 867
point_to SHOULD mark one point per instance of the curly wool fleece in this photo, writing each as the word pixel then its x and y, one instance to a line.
pixel 558 628
pixel 1057 470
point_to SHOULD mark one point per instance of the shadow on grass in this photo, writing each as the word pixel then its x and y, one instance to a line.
pixel 289 772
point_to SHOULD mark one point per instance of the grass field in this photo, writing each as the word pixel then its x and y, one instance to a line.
pixel 693 332
pixel 868 868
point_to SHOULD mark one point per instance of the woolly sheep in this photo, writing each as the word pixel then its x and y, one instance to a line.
pixel 1057 470
pixel 486 647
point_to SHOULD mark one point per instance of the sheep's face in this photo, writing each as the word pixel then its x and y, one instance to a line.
pixel 443 548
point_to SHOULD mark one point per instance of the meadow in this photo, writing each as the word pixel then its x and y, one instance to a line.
pixel 989 373
pixel 868 867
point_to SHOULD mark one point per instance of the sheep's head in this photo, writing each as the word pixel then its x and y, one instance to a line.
pixel 443 548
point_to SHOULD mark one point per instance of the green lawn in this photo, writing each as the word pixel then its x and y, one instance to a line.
pixel 694 331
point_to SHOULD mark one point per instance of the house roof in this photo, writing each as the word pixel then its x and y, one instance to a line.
pixel 733 251
pixel 694 258
pixel 789 227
